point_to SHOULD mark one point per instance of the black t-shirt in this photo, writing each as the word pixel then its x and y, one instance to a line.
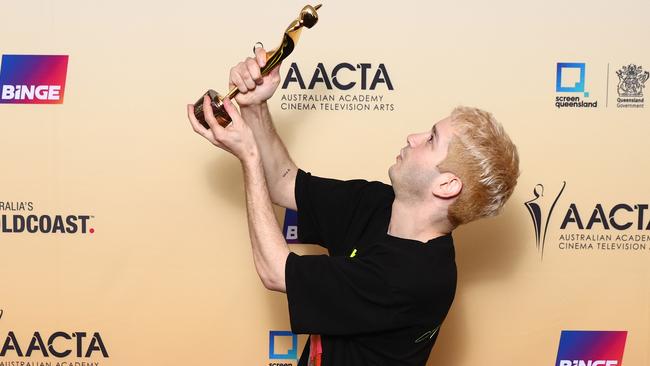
pixel 383 305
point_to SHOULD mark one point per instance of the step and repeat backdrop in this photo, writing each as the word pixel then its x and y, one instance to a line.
pixel 123 234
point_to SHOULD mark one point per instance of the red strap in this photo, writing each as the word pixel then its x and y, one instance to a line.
pixel 315 350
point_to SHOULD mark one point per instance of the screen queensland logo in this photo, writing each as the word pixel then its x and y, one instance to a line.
pixel 571 86
pixel 283 348
pixel 22 217
pixel 344 86
pixel 591 348
pixel 33 79
pixel 587 226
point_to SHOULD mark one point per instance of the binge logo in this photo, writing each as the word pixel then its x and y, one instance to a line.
pixel 290 227
pixel 591 348
pixel 286 347
pixel 33 79
pixel 570 78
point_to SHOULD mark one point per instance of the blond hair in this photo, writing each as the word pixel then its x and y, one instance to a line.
pixel 484 158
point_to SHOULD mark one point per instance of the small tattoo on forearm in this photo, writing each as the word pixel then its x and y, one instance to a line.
pixel 285 173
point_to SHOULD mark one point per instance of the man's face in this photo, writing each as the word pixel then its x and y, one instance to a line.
pixel 415 170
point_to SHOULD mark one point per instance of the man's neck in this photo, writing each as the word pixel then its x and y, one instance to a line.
pixel 416 222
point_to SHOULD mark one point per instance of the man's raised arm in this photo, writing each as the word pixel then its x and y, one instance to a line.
pixel 254 90
pixel 270 250
pixel 279 169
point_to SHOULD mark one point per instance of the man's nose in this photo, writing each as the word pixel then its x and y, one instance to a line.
pixel 413 139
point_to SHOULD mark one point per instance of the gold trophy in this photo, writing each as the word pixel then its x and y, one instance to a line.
pixel 307 18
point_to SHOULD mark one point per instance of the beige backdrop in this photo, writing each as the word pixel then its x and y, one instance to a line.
pixel 167 277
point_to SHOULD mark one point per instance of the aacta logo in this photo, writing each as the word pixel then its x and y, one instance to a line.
pixel 540 209
pixel 613 217
pixel 59 344
pixel 591 348
pixel 621 216
pixel 33 79
pixel 343 76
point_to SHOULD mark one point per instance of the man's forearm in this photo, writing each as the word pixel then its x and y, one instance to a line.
pixel 270 250
pixel 276 160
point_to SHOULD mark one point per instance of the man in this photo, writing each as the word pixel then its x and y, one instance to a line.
pixel 381 295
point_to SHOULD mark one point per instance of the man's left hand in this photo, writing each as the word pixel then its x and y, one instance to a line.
pixel 236 138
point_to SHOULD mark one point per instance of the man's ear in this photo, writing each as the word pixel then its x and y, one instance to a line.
pixel 447 185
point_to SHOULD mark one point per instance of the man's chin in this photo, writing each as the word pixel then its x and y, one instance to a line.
pixel 391 171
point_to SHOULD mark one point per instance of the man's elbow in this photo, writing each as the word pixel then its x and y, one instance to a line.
pixel 273 273
pixel 275 284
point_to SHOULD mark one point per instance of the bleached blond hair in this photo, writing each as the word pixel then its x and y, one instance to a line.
pixel 484 158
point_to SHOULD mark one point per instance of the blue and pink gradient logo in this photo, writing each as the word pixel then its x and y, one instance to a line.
pixel 570 78
pixel 33 79
pixel 283 345
pixel 591 348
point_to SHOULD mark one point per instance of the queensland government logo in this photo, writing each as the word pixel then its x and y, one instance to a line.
pixel 591 348
pixel 631 82
pixel 344 87
pixel 604 227
pixel 33 79
pixel 570 82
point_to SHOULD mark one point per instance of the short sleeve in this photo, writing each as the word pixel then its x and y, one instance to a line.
pixel 328 208
pixel 340 295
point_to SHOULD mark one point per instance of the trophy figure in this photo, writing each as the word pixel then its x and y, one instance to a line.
pixel 307 18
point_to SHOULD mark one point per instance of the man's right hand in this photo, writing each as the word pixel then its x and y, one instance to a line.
pixel 254 89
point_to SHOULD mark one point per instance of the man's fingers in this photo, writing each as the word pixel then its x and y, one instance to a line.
pixel 211 120
pixel 246 73
pixel 237 80
pixel 196 125
pixel 232 112
pixel 198 128
pixel 254 70
pixel 248 80
pixel 260 55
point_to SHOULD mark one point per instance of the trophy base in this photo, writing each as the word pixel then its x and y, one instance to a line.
pixel 216 101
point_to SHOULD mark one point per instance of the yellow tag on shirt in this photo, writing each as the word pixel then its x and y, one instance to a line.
pixel 354 252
